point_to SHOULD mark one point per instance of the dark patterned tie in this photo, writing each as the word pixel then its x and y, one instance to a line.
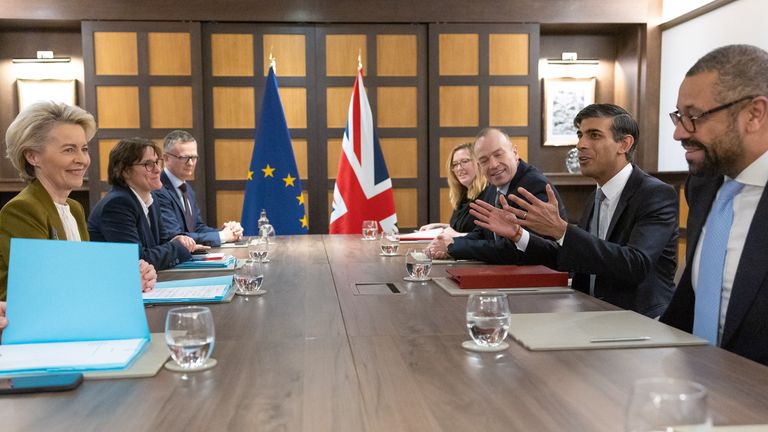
pixel 594 229
pixel 188 219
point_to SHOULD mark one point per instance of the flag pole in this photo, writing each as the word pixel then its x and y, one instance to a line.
pixel 272 61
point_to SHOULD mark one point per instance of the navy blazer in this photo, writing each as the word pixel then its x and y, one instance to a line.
pixel 480 244
pixel 172 214
pixel 635 264
pixel 746 321
pixel 119 218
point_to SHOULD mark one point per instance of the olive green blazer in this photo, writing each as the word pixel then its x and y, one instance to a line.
pixel 32 214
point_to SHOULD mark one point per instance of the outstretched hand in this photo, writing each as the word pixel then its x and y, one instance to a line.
pixel 537 215
pixel 502 221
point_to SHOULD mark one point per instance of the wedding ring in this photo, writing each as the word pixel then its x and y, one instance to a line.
pixel 525 215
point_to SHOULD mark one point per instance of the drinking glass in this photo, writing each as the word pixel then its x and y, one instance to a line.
pixel 488 319
pixel 666 404
pixel 370 229
pixel 248 278
pixel 418 263
pixel 189 334
pixel 267 232
pixel 390 242
pixel 258 249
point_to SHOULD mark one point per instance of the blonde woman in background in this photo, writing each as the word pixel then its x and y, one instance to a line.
pixel 465 183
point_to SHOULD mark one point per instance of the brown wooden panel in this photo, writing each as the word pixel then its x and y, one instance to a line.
pixel 508 105
pixel 508 54
pixel 229 206
pixel 681 248
pixel 170 54
pixel 446 145
pixel 401 157
pixel 446 211
pixel 521 142
pixel 232 158
pixel 407 206
pixel 118 107
pixel 459 54
pixel 683 208
pixel 232 55
pixel 300 152
pixel 459 106
pixel 115 53
pixel 396 55
pixel 170 107
pixel 233 108
pixel 105 146
pixel 294 101
pixel 396 107
pixel 341 51
pixel 334 152
pixel 289 52
pixel 337 106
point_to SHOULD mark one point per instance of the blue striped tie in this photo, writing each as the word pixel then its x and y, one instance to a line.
pixel 709 285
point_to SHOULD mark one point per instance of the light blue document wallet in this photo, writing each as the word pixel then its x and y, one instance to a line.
pixel 64 291
pixel 198 282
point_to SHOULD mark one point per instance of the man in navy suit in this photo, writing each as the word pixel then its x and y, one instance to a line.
pixel 624 249
pixel 178 204
pixel 722 123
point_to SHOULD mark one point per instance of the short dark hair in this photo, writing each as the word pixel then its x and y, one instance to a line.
pixel 622 125
pixel 127 152
pixel 741 71
pixel 174 137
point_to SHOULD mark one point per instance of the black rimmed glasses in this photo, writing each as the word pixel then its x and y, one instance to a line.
pixel 689 122
pixel 150 165
pixel 185 159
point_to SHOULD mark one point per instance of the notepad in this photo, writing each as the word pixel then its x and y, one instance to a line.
pixel 200 290
pixel 452 288
pixel 420 236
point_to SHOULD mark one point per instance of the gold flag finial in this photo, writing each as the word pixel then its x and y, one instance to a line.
pixel 272 61
pixel 359 58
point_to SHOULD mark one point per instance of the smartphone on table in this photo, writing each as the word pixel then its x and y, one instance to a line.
pixel 40 383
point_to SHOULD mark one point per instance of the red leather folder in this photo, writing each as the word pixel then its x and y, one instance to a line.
pixel 507 276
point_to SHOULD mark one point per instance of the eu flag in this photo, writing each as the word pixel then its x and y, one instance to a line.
pixel 273 180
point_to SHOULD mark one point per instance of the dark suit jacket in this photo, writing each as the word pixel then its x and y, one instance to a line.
pixel 746 322
pixel 32 214
pixel 119 218
pixel 172 214
pixel 635 264
pixel 480 244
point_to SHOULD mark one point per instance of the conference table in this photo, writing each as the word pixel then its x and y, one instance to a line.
pixel 315 353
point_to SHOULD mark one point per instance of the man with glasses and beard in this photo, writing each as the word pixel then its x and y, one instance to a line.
pixel 722 123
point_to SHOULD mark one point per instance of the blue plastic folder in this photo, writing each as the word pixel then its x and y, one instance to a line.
pixel 62 292
pixel 198 282
pixel 225 263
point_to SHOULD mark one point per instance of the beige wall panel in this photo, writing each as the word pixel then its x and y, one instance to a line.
pixel 294 101
pixel 105 146
pixel 683 208
pixel 396 107
pixel 300 153
pixel 459 106
pixel 406 204
pixel 446 145
pixel 400 156
pixel 229 206
pixel 115 53
pixel 232 158
pixel 118 107
pixel 170 54
pixel 334 152
pixel 233 108
pixel 396 55
pixel 337 106
pixel 522 146
pixel 508 105
pixel 681 244
pixel 330 203
pixel 289 52
pixel 508 54
pixel 459 54
pixel 232 55
pixel 445 207
pixel 341 54
pixel 170 107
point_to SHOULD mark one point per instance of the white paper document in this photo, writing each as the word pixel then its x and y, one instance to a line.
pixel 196 292
pixel 57 356
pixel 421 236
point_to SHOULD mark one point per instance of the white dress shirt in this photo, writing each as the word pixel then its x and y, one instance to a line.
pixel 754 178
pixel 144 205
pixel 176 182
pixel 69 222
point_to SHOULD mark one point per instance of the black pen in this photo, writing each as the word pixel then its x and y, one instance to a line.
pixel 620 339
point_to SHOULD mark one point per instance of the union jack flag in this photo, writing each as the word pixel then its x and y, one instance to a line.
pixel 363 189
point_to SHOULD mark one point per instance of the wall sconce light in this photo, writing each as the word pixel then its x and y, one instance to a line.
pixel 43 57
pixel 570 58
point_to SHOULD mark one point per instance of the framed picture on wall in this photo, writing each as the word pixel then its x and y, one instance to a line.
pixel 34 90
pixel 563 99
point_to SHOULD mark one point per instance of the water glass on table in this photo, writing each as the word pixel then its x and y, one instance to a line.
pixel 258 249
pixel 487 322
pixel 370 230
pixel 418 264
pixel 666 404
pixel 390 242
pixel 190 336
pixel 248 278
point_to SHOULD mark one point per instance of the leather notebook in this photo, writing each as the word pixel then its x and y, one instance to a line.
pixel 507 276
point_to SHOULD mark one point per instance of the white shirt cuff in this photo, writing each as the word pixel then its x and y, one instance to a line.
pixel 522 244
pixel 562 239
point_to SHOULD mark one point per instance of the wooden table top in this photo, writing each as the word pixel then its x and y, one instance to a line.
pixel 314 355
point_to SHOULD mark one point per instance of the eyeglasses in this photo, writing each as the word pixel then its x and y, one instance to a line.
pixel 150 165
pixel 689 122
pixel 460 162
pixel 185 159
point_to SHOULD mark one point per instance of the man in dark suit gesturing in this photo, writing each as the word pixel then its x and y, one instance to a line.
pixel 722 123
pixel 624 249
pixel 178 203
